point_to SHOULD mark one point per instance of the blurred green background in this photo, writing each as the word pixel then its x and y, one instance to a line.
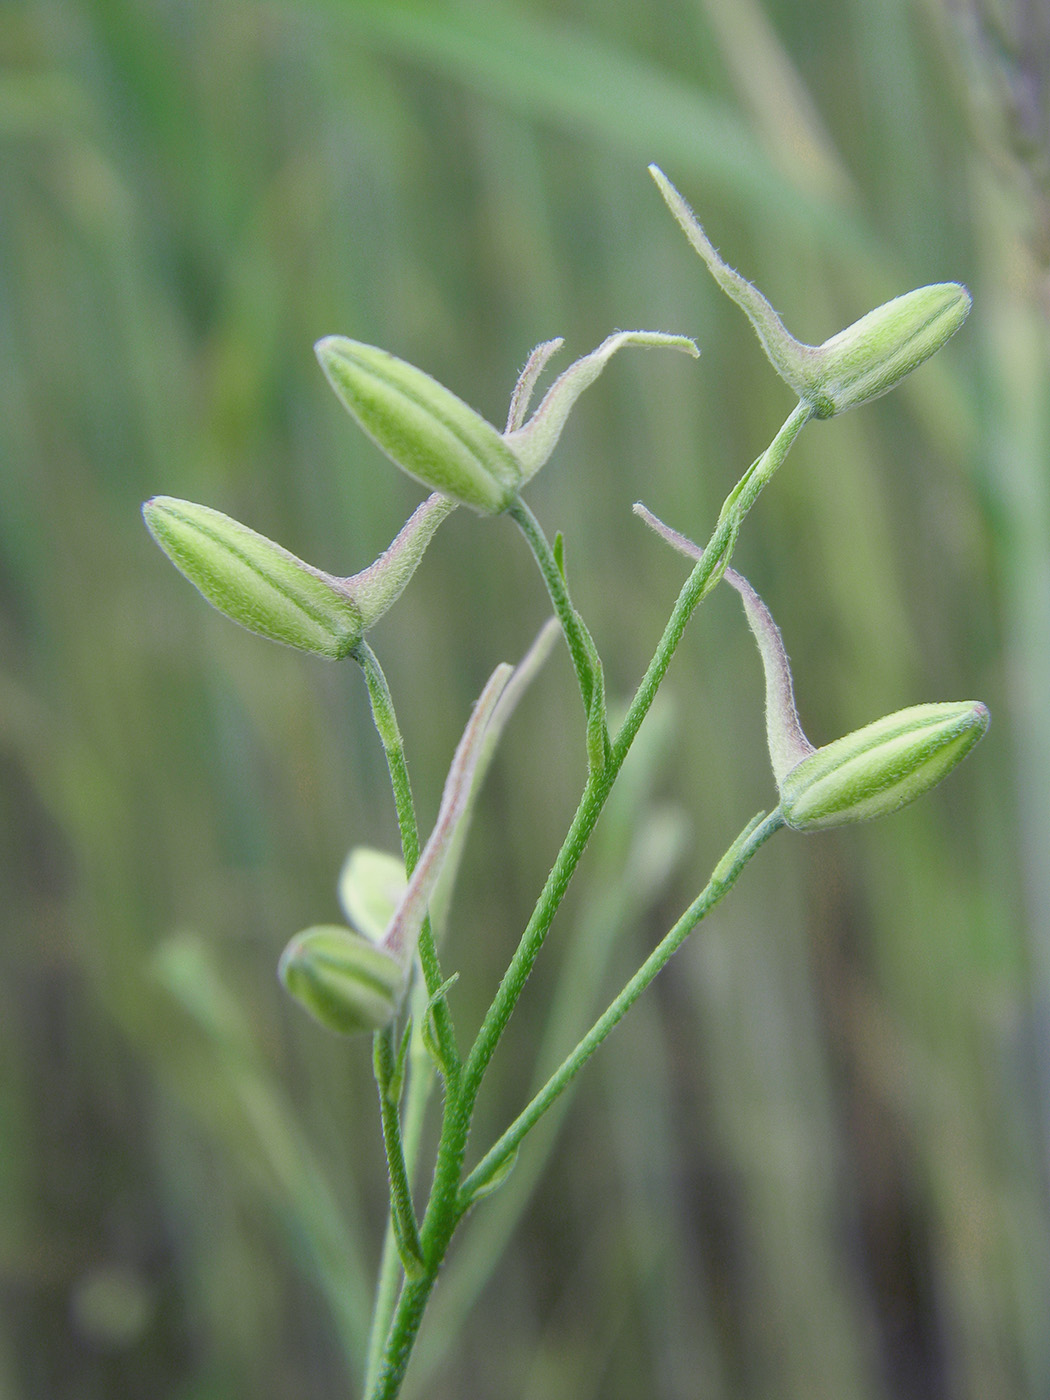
pixel 813 1162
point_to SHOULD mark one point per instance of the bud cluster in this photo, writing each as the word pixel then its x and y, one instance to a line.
pixel 354 978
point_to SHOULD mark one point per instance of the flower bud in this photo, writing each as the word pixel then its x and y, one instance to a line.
pixel 422 426
pixel 255 581
pixel 266 589
pixel 871 356
pixel 431 434
pixel 881 767
pixel 868 773
pixel 344 981
pixel 860 363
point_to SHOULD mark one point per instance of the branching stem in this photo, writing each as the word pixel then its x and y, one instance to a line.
pixel 449 1198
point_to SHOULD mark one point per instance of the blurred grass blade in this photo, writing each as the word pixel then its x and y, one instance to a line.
pixel 555 72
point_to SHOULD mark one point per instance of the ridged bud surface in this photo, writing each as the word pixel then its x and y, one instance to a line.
pixel 871 356
pixel 255 581
pixel 422 426
pixel 881 767
pixel 860 363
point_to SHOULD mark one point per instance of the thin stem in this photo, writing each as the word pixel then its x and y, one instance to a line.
pixel 385 718
pixel 420 1084
pixel 579 649
pixel 755 479
pixel 443 1209
pixel 716 557
pixel 525 955
pixel 402 1213
pixel 587 814
pixel 403 1332
pixel 707 571
pixel 722 881
pixel 390 1274
pixel 393 746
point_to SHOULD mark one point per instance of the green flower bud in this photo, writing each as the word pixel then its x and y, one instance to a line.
pixel 870 772
pixel 871 356
pixel 422 426
pixel 344 981
pixel 270 591
pixel 431 434
pixel 254 581
pixel 860 363
pixel 881 767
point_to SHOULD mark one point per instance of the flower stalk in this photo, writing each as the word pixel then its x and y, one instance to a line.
pixel 362 977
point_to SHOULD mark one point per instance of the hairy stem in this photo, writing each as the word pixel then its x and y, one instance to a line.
pixel 417 1095
pixel 709 569
pixel 402 1213
pixel 571 624
pixel 444 1209
pixel 393 746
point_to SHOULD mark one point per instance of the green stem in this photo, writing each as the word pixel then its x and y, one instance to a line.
pixel 393 746
pixel 443 1210
pixel 390 1274
pixel 580 648
pixel 722 881
pixel 707 572
pixel 417 1095
pixel 402 1213
pixel 385 719
pixel 758 475
pixel 403 1332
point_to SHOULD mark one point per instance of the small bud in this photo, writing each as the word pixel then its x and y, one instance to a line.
pixel 254 581
pixel 881 767
pixel 876 352
pixel 422 426
pixel 435 437
pixel 858 364
pixel 345 982
pixel 270 591
pixel 868 773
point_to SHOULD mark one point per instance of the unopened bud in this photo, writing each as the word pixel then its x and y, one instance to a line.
pixel 422 426
pixel 881 767
pixel 435 437
pixel 255 581
pixel 270 591
pixel 868 773
pixel 871 356
pixel 344 981
pixel 860 363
